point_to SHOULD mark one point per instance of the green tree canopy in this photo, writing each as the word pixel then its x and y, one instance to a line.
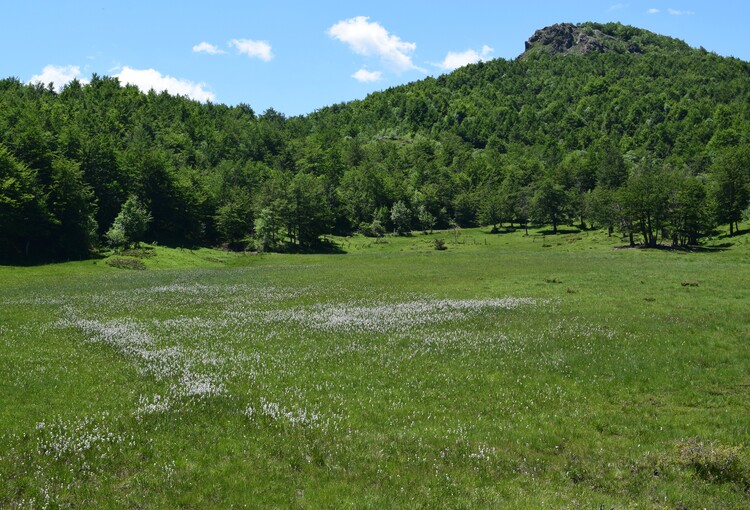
pixel 131 224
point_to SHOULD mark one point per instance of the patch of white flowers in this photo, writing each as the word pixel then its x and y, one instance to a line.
pixel 178 363
pixel 378 317
pixel 155 405
pixel 77 440
pixel 292 416
pixel 483 453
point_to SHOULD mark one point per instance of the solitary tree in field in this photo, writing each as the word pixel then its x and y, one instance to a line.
pixel 401 218
pixel 130 225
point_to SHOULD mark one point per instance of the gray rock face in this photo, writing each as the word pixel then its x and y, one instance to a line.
pixel 567 38
pixel 558 38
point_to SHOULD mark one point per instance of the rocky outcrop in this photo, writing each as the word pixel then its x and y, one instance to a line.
pixel 558 38
pixel 567 38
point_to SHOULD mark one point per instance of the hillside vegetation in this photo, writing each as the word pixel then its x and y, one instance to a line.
pixel 597 125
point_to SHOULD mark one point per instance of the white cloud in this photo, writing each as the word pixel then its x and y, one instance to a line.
pixel 371 39
pixel 147 79
pixel 366 76
pixel 675 12
pixel 454 60
pixel 209 48
pixel 653 11
pixel 58 76
pixel 257 49
pixel 617 7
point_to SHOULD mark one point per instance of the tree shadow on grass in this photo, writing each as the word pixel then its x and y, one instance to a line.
pixel 323 247
pixel 737 233
pixel 560 231
pixel 716 248
pixel 502 231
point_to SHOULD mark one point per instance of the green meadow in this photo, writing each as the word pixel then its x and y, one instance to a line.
pixel 507 371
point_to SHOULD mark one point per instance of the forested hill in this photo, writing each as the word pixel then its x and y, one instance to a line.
pixel 600 125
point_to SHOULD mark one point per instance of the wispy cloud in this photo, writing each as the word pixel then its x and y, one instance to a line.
pixel 617 7
pixel 209 48
pixel 59 76
pixel 147 79
pixel 671 12
pixel 454 60
pixel 254 49
pixel 675 12
pixel 365 76
pixel 369 38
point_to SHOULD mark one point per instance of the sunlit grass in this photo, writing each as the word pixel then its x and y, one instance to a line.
pixel 506 371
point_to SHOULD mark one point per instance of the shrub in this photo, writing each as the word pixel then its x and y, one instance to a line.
pixel 711 461
pixel 126 263
pixel 440 244
pixel 374 229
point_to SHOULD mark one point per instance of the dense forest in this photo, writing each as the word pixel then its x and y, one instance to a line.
pixel 598 126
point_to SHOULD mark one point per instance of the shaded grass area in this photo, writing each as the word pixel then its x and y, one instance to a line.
pixel 507 370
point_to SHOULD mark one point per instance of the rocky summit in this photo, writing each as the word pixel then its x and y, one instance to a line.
pixel 567 38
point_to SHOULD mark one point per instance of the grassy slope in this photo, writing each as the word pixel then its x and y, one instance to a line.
pixel 585 399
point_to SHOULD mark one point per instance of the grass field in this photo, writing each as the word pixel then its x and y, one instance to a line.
pixel 507 371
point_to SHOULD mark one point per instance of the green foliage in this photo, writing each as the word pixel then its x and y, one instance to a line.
pixel 401 218
pixel 71 202
pixel 126 263
pixel 266 229
pixel 374 229
pixel 426 219
pixel 493 208
pixel 130 225
pixel 647 199
pixel 309 214
pixel 234 218
pixel 731 172
pixel 496 142
pixel 549 204
pixel 23 213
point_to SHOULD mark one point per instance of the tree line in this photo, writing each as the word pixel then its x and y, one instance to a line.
pixel 652 146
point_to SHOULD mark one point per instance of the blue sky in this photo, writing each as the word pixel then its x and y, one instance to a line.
pixel 298 56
